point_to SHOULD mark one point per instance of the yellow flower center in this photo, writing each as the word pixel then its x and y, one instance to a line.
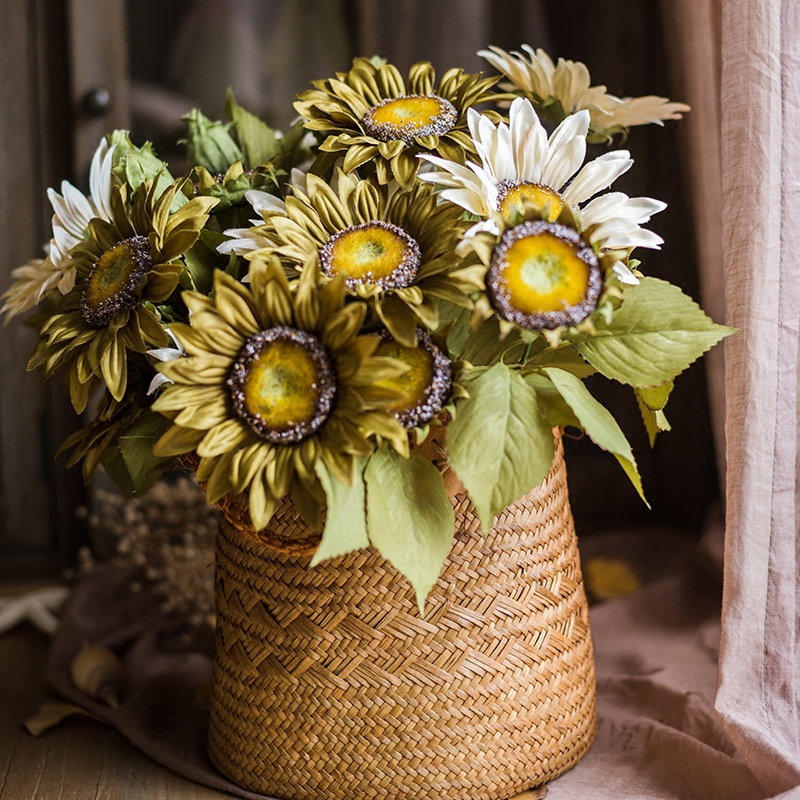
pixel 409 117
pixel 426 384
pixel 115 281
pixel 543 275
pixel 511 194
pixel 376 253
pixel 282 384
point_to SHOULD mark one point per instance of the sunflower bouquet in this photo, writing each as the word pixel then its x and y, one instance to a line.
pixel 415 263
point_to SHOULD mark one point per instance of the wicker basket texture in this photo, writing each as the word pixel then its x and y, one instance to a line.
pixel 328 684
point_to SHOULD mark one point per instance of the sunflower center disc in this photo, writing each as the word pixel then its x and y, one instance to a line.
pixel 282 384
pixel 510 196
pixel 409 117
pixel 113 285
pixel 424 388
pixel 376 253
pixel 543 275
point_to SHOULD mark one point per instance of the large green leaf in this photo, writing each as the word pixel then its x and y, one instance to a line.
pixel 484 345
pixel 136 165
pixel 656 334
pixel 597 421
pixel 136 446
pixel 256 139
pixel 410 517
pixel 209 144
pixel 564 357
pixel 500 442
pixel 346 521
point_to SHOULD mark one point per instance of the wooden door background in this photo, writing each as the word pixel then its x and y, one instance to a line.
pixel 54 53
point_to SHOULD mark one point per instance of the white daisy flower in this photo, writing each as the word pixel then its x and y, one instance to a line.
pixel 569 83
pixel 519 161
pixel 72 214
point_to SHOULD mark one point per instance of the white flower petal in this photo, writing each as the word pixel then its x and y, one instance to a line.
pixel 622 271
pixel 100 180
pixel 596 176
pixel 469 200
pixel 158 380
pixel 264 202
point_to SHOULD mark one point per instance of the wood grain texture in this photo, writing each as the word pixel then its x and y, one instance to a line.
pixel 79 759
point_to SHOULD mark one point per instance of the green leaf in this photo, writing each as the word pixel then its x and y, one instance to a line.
pixel 136 446
pixel 256 139
pixel 552 404
pixel 346 522
pixel 201 262
pixel 135 165
pixel 410 517
pixel 598 423
pixel 500 442
pixel 655 422
pixel 209 144
pixel 564 357
pixel 114 465
pixel 484 346
pixel 655 398
pixel 656 334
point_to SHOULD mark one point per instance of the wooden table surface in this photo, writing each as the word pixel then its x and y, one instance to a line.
pixel 79 759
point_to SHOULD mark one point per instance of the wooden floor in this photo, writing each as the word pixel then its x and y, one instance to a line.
pixel 77 760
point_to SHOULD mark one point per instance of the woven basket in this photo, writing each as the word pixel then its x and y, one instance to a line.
pixel 328 684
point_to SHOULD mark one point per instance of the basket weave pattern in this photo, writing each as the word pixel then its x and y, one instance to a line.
pixel 328 684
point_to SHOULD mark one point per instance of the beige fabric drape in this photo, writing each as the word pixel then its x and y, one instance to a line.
pixel 739 61
pixel 760 127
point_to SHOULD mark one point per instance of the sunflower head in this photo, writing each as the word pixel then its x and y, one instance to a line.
pixel 125 267
pixel 393 249
pixel 539 275
pixel 278 379
pixel 373 113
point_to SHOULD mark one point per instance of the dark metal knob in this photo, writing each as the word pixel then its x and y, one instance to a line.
pixel 97 102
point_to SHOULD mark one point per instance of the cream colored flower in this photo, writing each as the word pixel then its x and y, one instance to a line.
pixel 72 213
pixel 520 163
pixel 568 83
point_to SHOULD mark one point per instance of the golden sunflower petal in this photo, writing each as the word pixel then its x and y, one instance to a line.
pixel 197 302
pixel 205 469
pixel 343 326
pixel 404 168
pixel 421 78
pixel 78 392
pixel 176 398
pixel 162 282
pixel 399 319
pixel 204 417
pixel 150 327
pixel 235 305
pixel 176 441
pixel 385 425
pixel 114 368
pixel 196 371
pixel 280 471
pixel 220 483
pixel 261 502
pixel 341 465
pixel 223 438
pixel 247 461
pixel 378 368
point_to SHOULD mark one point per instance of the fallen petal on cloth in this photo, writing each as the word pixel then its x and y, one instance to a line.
pixel 659 738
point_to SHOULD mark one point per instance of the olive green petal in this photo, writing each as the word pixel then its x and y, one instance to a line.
pixel 176 441
pixel 246 462
pixel 308 504
pixel 390 81
pixel 262 503
pixel 341 465
pixel 204 417
pixel 451 151
pixel 399 319
pixel 343 326
pixel 162 282
pixel 205 469
pixel 151 329
pixel 383 171
pixel 382 424
pixel 223 437
pixel 404 168
pixel 279 470
pixel 236 308
pixel 114 368
pixel 197 302
pixel 219 483
pixel 78 392
pixel 379 368
pixel 357 155
pixel 391 149
pixel 421 78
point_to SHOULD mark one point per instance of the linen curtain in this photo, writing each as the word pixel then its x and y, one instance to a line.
pixel 740 65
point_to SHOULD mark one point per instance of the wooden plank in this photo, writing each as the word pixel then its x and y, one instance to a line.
pixel 24 519
pixel 77 760
pixel 99 58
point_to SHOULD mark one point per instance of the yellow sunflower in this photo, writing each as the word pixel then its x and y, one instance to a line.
pixel 395 249
pixel 371 112
pixel 124 268
pixel 277 380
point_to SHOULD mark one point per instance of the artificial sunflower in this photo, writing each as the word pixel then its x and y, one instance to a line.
pixel 564 89
pixel 277 380
pixel 124 268
pixel 394 249
pixel 72 212
pixel 520 164
pixel 372 114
